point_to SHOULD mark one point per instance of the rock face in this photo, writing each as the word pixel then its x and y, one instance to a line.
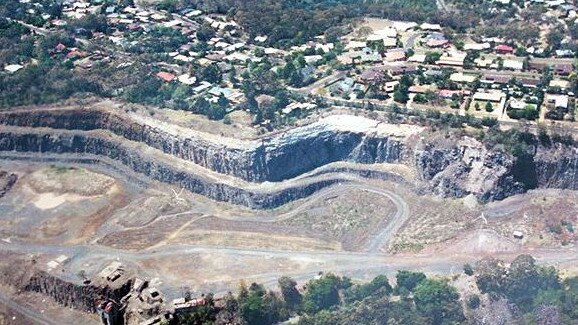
pixel 271 159
pixel 556 167
pixel 7 180
pixel 449 168
pixel 71 295
pixel 468 168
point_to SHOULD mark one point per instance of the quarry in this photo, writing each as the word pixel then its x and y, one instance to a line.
pixel 129 208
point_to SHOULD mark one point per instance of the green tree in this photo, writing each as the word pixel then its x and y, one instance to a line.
pixel 323 293
pixel 408 280
pixel 438 302
pixel 378 286
pixel 291 295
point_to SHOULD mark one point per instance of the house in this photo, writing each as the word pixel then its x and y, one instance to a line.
pixel 437 40
pixel 563 69
pixel 371 76
pixel 446 93
pixel 418 58
pixel 559 83
pixel 504 49
pixel 187 79
pixel 477 46
pixel 420 89
pixel 430 27
pixel 389 86
pixel 454 59
pixel 529 82
pixel 342 87
pixel 389 42
pixel 437 43
pixel 496 98
pixel 312 59
pixel 556 101
pixel 166 76
pixel 11 68
pixel 496 79
pixel 513 64
pixel 484 62
pixel 395 55
pixel 493 96
pixel 402 69
pixel 463 78
pixel 204 85
pixel 354 45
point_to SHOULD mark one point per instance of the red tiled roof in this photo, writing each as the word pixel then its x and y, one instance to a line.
pixel 504 48
pixel 166 76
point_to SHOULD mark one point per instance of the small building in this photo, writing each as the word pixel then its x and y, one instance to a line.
pixel 11 68
pixel 463 78
pixel 417 58
pixel 559 83
pixel 166 76
pixel 371 76
pixel 477 46
pixel 453 59
pixel 395 55
pixel 496 79
pixel 513 64
pixel 389 86
pixel 556 101
pixel 504 49
pixel 402 69
pixel 430 27
pixel 529 82
pixel 563 69
pixel 438 43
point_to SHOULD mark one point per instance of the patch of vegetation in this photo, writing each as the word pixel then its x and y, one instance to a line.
pixel 523 292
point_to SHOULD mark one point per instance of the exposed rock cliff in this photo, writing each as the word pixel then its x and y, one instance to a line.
pixel 274 158
pixel 448 167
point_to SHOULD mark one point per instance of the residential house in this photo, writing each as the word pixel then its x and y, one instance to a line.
pixel 166 76
pixel 402 69
pixel 504 49
pixel 395 55
pixel 513 64
pixel 389 86
pixel 454 59
pixel 477 46
pixel 371 76
pixel 463 78
pixel 495 79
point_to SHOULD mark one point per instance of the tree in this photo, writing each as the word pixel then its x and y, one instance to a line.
pixel 489 108
pixel 490 275
pixel 289 292
pixel 473 301
pixel 400 95
pixel 323 293
pixel 205 33
pixel 468 269
pixel 408 279
pixel 379 286
pixel 210 73
pixel 432 57
pixel 223 102
pixel 438 302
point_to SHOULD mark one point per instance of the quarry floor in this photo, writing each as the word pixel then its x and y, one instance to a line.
pixel 96 214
